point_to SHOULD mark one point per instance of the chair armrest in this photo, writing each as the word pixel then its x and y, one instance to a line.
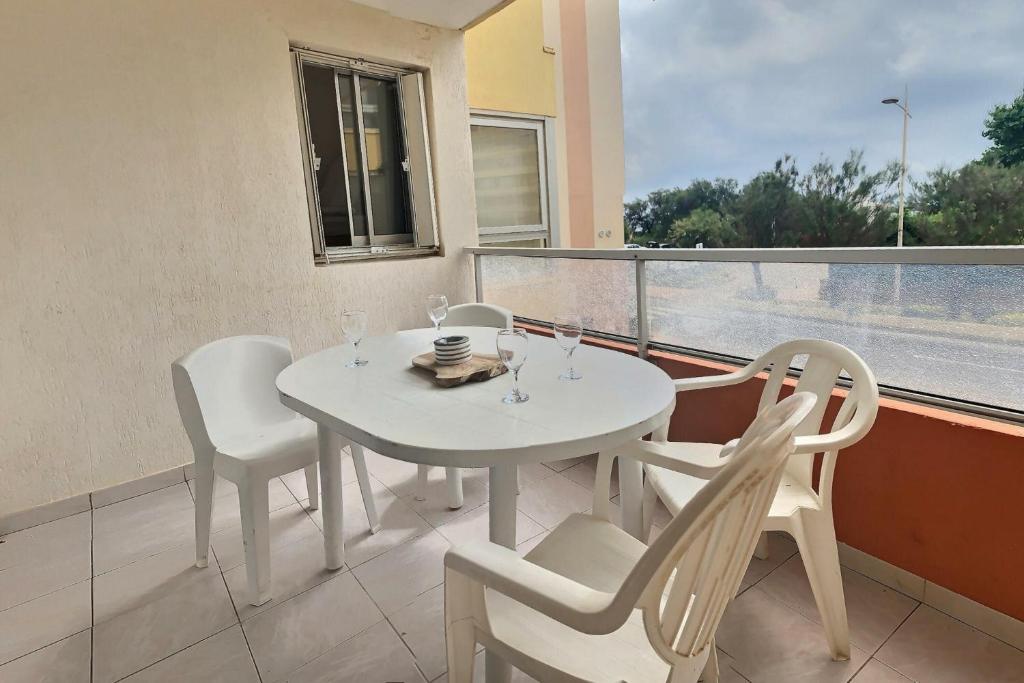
pixel 554 595
pixel 711 381
pixel 833 441
pixel 860 423
pixel 659 454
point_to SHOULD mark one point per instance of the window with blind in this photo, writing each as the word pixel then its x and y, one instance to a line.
pixel 510 172
pixel 366 158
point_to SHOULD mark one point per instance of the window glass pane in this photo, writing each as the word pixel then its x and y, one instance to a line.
pixel 950 330
pixel 507 176
pixel 385 154
pixel 353 153
pixel 322 106
pixel 603 293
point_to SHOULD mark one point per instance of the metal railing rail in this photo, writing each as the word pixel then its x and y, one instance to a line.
pixel 981 256
pixel 968 256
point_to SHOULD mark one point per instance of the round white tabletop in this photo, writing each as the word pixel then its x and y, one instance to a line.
pixel 396 410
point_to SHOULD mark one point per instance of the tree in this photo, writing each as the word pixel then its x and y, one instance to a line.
pixel 978 204
pixel 703 226
pixel 846 206
pixel 651 218
pixel 1005 128
pixel 766 209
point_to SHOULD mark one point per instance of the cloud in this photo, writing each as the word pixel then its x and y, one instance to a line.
pixel 722 88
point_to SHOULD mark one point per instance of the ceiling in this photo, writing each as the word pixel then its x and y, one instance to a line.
pixel 457 14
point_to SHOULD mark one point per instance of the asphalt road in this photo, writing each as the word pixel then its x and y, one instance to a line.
pixel 947 365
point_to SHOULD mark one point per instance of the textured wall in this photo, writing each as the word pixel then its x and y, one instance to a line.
pixel 152 199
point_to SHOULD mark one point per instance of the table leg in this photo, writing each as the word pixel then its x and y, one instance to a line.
pixel 330 503
pixel 502 494
pixel 631 490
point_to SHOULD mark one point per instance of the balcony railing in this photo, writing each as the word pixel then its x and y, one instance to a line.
pixel 939 325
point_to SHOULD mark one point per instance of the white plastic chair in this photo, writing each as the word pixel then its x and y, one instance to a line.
pixel 797 509
pixel 592 603
pixel 239 430
pixel 463 315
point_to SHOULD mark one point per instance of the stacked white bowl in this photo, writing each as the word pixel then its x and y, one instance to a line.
pixel 452 350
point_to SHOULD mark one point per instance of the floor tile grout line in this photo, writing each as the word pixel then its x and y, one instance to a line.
pixel 412 654
pixel 894 632
pixel 49 521
pixel 49 593
pixel 231 599
pixel 238 619
pixel 335 647
pixel 772 571
pixel 43 647
pixel 383 619
pixel 341 571
pixel 871 656
pixel 138 495
pixel 177 652
pixel 919 603
pixel 92 589
pixel 973 628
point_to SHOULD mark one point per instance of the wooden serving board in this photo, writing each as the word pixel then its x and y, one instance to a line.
pixel 479 368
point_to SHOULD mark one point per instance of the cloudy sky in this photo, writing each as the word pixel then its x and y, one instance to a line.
pixel 724 87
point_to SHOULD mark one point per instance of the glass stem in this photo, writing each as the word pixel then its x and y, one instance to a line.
pixel 355 344
pixel 568 359
pixel 515 382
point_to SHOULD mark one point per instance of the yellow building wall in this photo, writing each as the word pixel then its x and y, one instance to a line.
pixel 507 68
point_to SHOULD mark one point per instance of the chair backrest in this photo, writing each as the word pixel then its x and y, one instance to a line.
pixel 685 579
pixel 227 387
pixel 826 363
pixel 478 315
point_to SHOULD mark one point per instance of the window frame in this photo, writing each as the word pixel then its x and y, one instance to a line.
pixel 541 126
pixel 417 166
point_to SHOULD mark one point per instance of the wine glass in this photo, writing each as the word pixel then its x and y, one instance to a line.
pixel 353 324
pixel 568 331
pixel 437 309
pixel 512 346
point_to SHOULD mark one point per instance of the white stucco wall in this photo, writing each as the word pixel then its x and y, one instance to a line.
pixel 152 199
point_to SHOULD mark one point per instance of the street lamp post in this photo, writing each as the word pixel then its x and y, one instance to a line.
pixel 905 106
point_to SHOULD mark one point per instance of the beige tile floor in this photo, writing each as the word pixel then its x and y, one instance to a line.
pixel 112 595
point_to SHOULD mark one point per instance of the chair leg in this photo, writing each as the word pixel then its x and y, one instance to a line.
pixel 204 483
pixel 312 486
pixel 711 671
pixel 460 634
pixel 650 501
pixel 359 461
pixel 255 509
pixel 761 549
pixel 422 475
pixel 816 539
pixel 453 476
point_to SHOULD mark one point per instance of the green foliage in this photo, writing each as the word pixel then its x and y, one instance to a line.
pixel 651 218
pixel 1005 128
pixel 978 204
pixel 766 213
pixel 846 206
pixel 830 206
pixel 703 226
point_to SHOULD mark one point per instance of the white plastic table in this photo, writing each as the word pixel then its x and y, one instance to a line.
pixel 397 411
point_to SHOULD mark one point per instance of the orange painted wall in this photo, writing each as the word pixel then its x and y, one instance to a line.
pixel 934 492
pixel 576 88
